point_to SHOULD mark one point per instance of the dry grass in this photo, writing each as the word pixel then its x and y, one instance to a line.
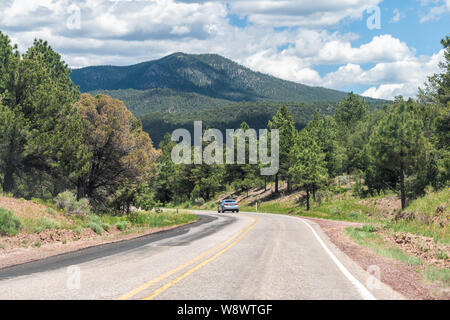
pixel 29 211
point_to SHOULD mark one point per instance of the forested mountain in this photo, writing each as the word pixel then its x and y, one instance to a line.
pixel 195 85
pixel 184 82
pixel 208 74
pixel 255 114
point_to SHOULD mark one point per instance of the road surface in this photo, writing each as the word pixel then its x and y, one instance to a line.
pixel 223 256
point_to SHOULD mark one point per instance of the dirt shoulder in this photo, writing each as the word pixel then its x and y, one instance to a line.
pixel 403 278
pixel 23 248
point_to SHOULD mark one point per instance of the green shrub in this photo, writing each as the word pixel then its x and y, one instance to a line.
pixel 105 227
pixel 10 225
pixel 353 215
pixel 67 201
pixel 442 255
pixel 79 230
pixel 45 223
pixel 336 211
pixel 51 211
pixel 95 227
pixel 94 219
pixel 122 225
pixel 367 228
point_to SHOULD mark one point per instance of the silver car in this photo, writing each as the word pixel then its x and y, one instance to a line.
pixel 228 205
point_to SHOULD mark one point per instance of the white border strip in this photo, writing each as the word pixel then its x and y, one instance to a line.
pixel 363 291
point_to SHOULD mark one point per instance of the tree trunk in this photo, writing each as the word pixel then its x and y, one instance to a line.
pixel 289 184
pixel 265 183
pixel 9 184
pixel 307 199
pixel 276 183
pixel 402 187
pixel 314 192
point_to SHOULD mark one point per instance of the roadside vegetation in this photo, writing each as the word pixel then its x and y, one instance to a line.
pixel 71 161
pixel 23 220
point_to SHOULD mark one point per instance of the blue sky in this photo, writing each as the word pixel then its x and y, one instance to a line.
pixel 319 43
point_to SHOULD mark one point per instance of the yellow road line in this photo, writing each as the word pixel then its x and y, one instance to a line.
pixel 171 272
pixel 171 283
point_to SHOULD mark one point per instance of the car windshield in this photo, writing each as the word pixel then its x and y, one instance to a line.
pixel 230 201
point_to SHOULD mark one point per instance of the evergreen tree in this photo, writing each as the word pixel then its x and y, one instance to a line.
pixel 309 169
pixel 284 122
pixel 40 126
pixel 397 147
pixel 324 130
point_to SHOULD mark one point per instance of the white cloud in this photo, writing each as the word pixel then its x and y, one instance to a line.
pixel 136 31
pixel 434 14
pixel 301 13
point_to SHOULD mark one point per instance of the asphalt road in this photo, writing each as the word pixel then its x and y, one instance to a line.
pixel 223 256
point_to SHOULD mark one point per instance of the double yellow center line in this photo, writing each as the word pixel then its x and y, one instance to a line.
pixel 231 243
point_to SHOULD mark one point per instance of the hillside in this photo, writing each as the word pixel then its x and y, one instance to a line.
pixel 210 75
pixel 196 85
pixel 255 114
pixel 142 102
pixel 184 82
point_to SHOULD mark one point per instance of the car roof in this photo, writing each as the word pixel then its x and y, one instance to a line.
pixel 229 200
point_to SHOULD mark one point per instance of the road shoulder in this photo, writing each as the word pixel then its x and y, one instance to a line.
pixel 20 256
pixel 401 277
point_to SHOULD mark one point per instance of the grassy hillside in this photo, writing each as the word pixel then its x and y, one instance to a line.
pixel 32 223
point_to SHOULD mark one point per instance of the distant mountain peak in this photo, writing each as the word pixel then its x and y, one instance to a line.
pixel 207 74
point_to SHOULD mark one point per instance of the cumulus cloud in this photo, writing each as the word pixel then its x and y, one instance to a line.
pixel 126 32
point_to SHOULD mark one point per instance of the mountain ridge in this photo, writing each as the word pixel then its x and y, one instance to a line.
pixel 210 75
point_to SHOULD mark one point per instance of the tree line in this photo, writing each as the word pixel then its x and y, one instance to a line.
pixel 54 139
pixel 401 147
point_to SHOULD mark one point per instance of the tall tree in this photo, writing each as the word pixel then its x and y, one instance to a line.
pixel 435 102
pixel 398 144
pixel 122 155
pixel 437 89
pixel 40 126
pixel 351 115
pixel 309 169
pixel 284 122
pixel 167 181
pixel 324 131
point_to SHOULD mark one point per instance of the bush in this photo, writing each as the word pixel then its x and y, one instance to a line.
pixel 105 227
pixel 366 228
pixel 79 230
pixel 353 215
pixel 67 201
pixel 95 227
pixel 95 223
pixel 10 225
pixel 122 225
pixel 45 223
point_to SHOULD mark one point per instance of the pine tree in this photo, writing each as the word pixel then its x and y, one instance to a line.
pixel 309 170
pixel 284 122
pixel 40 126
pixel 398 146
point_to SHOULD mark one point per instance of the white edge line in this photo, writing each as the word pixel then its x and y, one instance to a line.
pixel 363 291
